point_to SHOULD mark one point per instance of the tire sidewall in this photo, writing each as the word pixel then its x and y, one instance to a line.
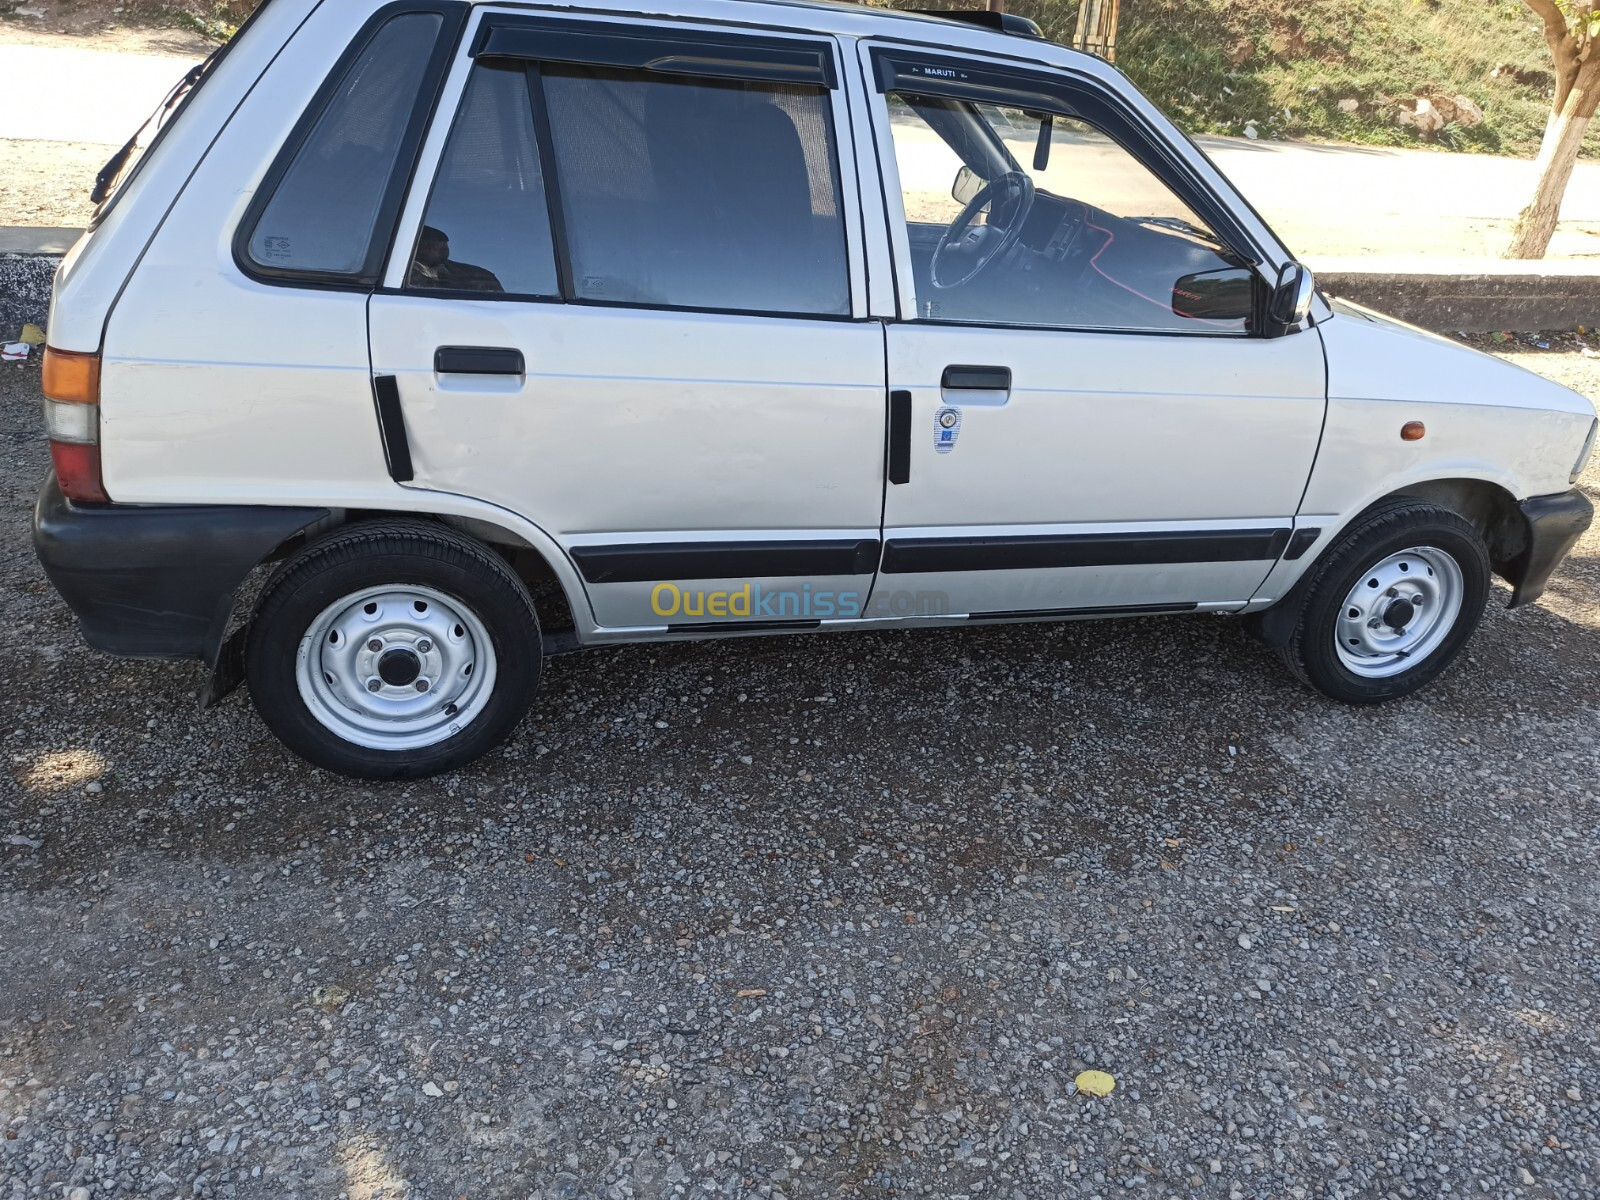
pixel 1441 530
pixel 289 610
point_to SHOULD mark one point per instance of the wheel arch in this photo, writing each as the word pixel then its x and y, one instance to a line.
pixel 537 559
pixel 1491 508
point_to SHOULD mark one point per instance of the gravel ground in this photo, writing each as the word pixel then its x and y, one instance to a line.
pixel 829 917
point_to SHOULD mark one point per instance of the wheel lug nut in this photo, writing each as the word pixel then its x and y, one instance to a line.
pixel 422 685
pixel 424 646
pixel 1391 593
pixel 1374 624
pixel 374 684
pixel 375 645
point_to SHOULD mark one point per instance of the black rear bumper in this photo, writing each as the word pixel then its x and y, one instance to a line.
pixel 157 581
pixel 1555 523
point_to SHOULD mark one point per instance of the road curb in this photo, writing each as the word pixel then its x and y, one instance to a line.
pixel 29 255
pixel 24 290
pixel 1469 295
pixel 1446 295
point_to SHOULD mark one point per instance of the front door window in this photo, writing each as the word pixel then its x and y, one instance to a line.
pixel 1028 219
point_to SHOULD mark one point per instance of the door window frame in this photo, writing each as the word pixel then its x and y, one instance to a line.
pixel 898 68
pixel 768 55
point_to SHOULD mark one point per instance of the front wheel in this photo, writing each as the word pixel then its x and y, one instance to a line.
pixel 1391 605
pixel 393 650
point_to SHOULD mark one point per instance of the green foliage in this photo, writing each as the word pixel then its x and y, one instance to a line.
pixel 218 20
pixel 1283 66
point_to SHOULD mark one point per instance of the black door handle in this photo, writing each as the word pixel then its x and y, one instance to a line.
pixel 899 437
pixel 477 360
pixel 976 379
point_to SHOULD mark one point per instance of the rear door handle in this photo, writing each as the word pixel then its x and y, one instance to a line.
pixel 477 360
pixel 960 378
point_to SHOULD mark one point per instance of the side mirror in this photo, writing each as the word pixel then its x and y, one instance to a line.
pixel 1290 301
pixel 1228 294
pixel 967 185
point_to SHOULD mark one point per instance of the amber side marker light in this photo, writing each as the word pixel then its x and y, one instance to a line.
pixel 72 422
pixel 1413 431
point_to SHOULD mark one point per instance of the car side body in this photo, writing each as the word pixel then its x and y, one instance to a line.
pixel 608 442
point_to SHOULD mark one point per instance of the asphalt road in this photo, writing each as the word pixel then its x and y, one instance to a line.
pixel 825 917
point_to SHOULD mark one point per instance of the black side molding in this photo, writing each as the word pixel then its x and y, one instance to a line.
pixel 899 437
pixel 1302 541
pixel 976 379
pixel 1112 610
pixel 478 360
pixel 653 562
pixel 392 428
pixel 1028 553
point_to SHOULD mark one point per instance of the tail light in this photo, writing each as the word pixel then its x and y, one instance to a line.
pixel 72 421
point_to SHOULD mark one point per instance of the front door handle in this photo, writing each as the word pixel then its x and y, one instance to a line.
pixel 976 379
pixel 477 360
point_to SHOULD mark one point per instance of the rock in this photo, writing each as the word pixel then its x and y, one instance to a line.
pixel 1419 114
pixel 1244 941
pixel 1349 104
pixel 1574 1094
pixel 431 1089
pixel 1468 113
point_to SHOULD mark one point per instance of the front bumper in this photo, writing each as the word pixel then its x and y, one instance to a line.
pixel 157 581
pixel 1554 525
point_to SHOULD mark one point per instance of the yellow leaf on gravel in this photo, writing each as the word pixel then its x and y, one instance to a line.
pixel 32 334
pixel 1094 1083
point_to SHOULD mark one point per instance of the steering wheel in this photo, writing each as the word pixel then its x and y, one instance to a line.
pixel 970 249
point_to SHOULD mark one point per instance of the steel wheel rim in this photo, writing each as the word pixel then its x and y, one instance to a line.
pixel 396 667
pixel 1399 612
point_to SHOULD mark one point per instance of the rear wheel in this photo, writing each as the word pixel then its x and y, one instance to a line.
pixel 1391 605
pixel 393 650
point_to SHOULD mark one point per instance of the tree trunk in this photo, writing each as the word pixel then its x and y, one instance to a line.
pixel 1563 139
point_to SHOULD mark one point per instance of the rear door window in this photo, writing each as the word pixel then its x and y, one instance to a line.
pixel 487 227
pixel 606 184
pixel 698 193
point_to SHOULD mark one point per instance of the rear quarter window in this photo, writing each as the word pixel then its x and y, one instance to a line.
pixel 330 199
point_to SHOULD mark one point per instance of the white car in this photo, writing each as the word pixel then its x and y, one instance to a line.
pixel 736 318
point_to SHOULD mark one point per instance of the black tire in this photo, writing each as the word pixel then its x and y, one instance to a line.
pixel 399 554
pixel 1311 652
